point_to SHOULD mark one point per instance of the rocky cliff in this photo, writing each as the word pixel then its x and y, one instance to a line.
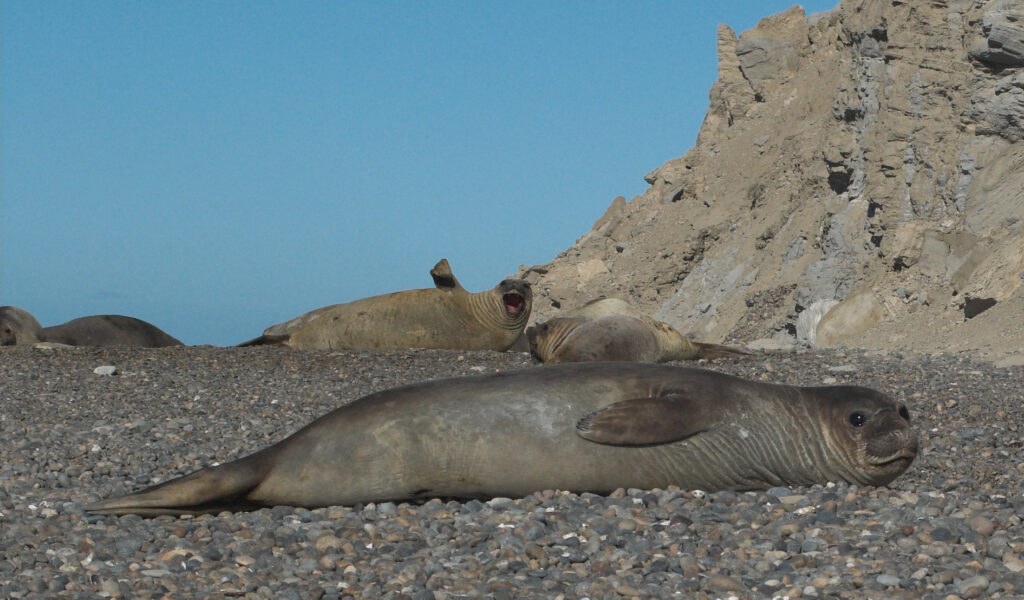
pixel 858 179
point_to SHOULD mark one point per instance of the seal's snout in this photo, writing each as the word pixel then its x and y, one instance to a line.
pixel 895 448
pixel 514 303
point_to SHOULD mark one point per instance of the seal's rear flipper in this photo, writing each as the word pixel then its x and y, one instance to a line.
pixel 266 340
pixel 718 351
pixel 212 489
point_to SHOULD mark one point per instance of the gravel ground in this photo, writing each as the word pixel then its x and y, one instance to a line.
pixel 948 528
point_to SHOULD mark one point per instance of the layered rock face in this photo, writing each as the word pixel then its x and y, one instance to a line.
pixel 859 174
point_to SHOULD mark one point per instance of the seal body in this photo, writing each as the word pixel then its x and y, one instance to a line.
pixel 580 427
pixel 613 329
pixel 17 326
pixel 446 316
pixel 109 330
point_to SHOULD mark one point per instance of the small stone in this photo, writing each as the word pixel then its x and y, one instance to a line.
pixel 726 584
pixel 110 587
pixel 982 525
pixel 327 543
pixel 105 370
pixel 888 580
pixel 972 586
pixel 1013 565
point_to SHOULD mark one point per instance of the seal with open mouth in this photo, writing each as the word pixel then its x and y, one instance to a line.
pixel 446 316
pixel 582 427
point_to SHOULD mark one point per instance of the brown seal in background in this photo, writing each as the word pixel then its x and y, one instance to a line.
pixel 446 316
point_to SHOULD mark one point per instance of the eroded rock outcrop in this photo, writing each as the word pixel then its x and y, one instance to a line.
pixel 875 147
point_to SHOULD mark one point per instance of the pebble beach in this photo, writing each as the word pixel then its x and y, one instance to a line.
pixel 950 527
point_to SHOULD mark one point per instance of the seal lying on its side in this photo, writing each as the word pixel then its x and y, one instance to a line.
pixel 17 326
pixel 447 317
pixel 613 329
pixel 580 427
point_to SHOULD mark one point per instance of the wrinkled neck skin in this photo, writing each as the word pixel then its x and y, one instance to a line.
pixel 805 450
pixel 489 308
pixel 548 342
pixel 765 441
pixel 847 455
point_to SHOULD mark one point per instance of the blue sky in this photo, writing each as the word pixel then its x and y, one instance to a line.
pixel 218 167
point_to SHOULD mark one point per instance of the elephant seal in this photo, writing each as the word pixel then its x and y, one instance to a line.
pixel 613 329
pixel 446 316
pixel 579 427
pixel 17 326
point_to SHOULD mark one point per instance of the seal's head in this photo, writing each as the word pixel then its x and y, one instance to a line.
pixel 17 326
pixel 547 337
pixel 870 431
pixel 516 296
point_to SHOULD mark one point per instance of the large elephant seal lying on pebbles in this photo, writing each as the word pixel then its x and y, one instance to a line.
pixel 17 326
pixel 446 316
pixel 613 329
pixel 580 427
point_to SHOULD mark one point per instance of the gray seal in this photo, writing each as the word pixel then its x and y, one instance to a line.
pixel 445 316
pixel 614 329
pixel 581 427
pixel 17 327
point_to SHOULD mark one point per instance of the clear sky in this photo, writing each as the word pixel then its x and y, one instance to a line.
pixel 215 168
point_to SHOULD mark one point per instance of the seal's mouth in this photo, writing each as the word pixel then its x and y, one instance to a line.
pixel 904 457
pixel 514 303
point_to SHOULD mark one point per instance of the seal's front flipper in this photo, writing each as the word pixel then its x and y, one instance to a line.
pixel 648 421
pixel 212 489
pixel 443 277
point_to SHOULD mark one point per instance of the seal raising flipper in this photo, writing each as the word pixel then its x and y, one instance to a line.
pixel 443 277
pixel 446 316
pixel 580 427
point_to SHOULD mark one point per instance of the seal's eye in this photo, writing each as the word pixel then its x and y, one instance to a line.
pixel 858 419
pixel 905 413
